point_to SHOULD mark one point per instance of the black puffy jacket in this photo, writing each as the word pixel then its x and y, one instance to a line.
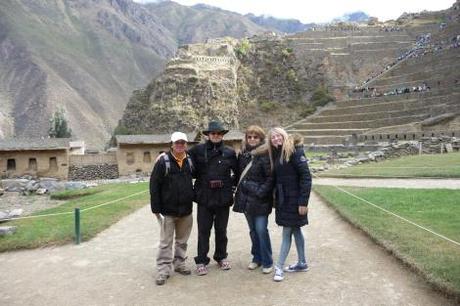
pixel 171 194
pixel 254 195
pixel 214 162
pixel 293 186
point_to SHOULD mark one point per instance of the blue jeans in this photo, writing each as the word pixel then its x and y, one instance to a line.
pixel 261 249
pixel 286 245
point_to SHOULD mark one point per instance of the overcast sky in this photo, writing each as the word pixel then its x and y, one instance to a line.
pixel 323 10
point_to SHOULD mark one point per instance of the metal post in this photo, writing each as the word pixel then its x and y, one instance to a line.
pixel 420 148
pixel 77 226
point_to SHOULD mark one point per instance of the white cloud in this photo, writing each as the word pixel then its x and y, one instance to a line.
pixel 323 10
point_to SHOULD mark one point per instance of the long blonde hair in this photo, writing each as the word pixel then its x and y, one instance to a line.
pixel 287 149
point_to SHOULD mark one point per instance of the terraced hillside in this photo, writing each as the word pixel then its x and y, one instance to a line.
pixel 417 96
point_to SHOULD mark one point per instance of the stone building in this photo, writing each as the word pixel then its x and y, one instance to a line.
pixel 137 153
pixel 47 157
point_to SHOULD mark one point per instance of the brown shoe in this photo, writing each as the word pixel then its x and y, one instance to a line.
pixel 161 279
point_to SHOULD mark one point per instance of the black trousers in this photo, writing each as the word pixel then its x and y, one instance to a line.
pixel 206 218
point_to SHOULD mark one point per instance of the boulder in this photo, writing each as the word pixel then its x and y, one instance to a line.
pixel 41 191
pixel 14 185
pixel 15 213
pixel 75 185
pixel 32 186
pixel 3 215
pixel 2 191
pixel 7 230
pixel 51 185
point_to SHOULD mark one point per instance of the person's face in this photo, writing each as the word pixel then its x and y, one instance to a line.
pixel 253 139
pixel 215 137
pixel 277 139
pixel 179 146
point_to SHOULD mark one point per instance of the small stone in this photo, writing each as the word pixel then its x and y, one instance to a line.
pixel 7 230
pixel 41 191
pixel 2 191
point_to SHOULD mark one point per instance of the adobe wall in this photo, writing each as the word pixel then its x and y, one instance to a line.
pixel 138 159
pixel 35 163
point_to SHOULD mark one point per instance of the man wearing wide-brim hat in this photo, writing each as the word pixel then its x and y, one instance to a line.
pixel 215 171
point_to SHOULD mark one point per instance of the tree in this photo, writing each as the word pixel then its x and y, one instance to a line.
pixel 58 125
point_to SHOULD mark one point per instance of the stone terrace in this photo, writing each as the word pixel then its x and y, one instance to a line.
pixel 335 125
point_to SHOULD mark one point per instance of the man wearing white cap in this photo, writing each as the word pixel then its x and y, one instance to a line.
pixel 171 200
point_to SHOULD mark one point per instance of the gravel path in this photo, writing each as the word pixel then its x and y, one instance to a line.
pixel 116 268
pixel 390 183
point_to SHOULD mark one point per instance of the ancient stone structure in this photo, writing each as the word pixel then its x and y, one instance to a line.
pixel 36 157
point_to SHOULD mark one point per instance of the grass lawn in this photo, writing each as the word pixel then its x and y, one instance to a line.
pixel 436 259
pixel 56 230
pixel 435 165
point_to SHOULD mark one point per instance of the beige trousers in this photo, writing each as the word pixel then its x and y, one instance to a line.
pixel 181 226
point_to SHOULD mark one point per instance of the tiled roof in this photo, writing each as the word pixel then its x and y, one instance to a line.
pixel 22 144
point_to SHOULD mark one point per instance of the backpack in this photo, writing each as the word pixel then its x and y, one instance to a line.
pixel 168 163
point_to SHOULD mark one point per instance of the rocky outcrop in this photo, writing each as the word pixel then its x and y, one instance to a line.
pixel 199 84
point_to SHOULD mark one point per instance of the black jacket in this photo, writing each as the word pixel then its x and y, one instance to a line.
pixel 171 194
pixel 214 163
pixel 254 194
pixel 293 186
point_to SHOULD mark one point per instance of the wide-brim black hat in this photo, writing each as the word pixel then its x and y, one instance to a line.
pixel 215 126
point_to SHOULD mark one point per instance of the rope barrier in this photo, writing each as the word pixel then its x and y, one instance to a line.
pixel 72 212
pixel 397 216
pixel 383 176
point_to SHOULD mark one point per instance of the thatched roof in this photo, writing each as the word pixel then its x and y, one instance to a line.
pixel 25 144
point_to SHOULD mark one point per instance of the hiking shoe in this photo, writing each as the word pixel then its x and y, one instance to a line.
pixel 298 267
pixel 267 270
pixel 279 274
pixel 201 269
pixel 161 279
pixel 224 264
pixel 183 270
pixel 253 265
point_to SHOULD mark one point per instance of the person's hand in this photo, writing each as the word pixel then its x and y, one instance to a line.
pixel 159 218
pixel 303 210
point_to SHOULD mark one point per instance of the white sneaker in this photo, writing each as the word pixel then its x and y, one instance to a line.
pixel 253 266
pixel 267 270
pixel 279 275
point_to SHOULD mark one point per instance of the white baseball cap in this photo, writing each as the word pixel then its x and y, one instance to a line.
pixel 178 136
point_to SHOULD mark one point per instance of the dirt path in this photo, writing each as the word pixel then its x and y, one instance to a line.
pixel 116 268
pixel 396 183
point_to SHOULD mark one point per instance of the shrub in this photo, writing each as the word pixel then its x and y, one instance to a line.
pixel 59 127
pixel 267 106
pixel 242 48
pixel 321 96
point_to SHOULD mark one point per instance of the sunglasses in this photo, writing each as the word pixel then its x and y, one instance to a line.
pixel 252 137
pixel 216 133
pixel 180 142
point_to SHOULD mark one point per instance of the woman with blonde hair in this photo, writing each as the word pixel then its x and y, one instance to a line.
pixel 292 191
pixel 254 196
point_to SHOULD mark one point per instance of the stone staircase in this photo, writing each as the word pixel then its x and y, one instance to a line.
pixel 337 125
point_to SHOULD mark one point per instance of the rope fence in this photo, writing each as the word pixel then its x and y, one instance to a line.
pixel 395 215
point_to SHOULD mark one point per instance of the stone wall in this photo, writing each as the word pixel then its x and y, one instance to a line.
pixel 93 167
pixel 93 172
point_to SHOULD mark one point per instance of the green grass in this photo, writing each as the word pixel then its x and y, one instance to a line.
pixel 435 165
pixel 436 259
pixel 74 194
pixel 58 230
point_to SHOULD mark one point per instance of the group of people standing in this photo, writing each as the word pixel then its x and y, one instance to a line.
pixel 270 171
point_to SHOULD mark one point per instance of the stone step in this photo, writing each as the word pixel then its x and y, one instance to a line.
pixel 362 124
pixel 430 110
pixel 324 140
pixel 327 132
pixel 412 103
pixel 415 95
